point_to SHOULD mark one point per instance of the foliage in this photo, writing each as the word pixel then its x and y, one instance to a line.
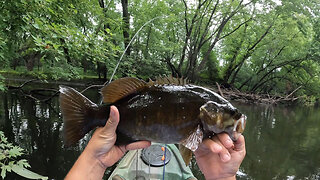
pixel 257 46
pixel 9 155
pixel 2 86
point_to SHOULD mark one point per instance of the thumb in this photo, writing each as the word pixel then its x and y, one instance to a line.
pixel 240 144
pixel 113 121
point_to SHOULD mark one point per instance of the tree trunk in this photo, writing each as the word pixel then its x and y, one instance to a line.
pixel 102 70
pixel 31 59
pixel 65 50
pixel 126 25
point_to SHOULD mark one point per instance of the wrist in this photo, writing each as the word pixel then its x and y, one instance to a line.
pixel 94 166
pixel 87 166
pixel 92 157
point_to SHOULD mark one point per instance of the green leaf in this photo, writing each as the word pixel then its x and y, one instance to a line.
pixel 27 173
pixel 3 171
pixel 50 10
pixel 56 46
pixel 3 138
pixel 23 163
pixel 2 156
pixel 36 26
pixel 15 151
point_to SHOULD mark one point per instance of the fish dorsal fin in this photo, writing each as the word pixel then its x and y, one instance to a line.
pixel 168 80
pixel 121 88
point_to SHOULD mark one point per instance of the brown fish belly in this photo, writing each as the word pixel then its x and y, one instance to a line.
pixel 164 114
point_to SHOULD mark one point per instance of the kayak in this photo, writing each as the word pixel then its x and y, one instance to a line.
pixel 156 162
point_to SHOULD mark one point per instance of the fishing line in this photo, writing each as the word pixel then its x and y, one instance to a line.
pixel 115 69
pixel 149 166
pixel 164 161
pixel 137 163
pixel 113 73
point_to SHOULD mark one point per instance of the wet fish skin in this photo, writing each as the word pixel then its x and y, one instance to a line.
pixel 165 113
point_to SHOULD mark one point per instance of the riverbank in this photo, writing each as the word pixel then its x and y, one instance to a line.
pixel 16 81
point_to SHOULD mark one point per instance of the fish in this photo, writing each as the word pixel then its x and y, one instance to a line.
pixel 168 110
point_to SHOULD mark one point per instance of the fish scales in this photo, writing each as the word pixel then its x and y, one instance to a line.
pixel 166 114
pixel 166 111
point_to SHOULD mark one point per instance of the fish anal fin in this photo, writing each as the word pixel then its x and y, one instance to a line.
pixel 186 154
pixel 121 88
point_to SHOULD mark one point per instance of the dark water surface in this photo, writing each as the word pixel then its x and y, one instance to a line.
pixel 282 142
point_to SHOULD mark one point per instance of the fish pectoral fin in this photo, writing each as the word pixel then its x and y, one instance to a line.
pixel 121 88
pixel 194 139
pixel 190 144
pixel 186 154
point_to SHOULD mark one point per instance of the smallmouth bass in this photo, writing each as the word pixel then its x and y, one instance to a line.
pixel 166 111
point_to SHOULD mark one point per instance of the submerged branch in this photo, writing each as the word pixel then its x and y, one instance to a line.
pixel 251 98
pixel 92 86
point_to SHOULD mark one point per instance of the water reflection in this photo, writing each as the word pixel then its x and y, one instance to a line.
pixel 282 142
pixel 36 127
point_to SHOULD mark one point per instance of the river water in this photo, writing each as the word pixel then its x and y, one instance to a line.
pixel 282 142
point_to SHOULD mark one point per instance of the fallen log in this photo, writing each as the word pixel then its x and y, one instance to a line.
pixel 235 94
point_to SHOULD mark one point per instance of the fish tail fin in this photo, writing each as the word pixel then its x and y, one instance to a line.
pixel 76 110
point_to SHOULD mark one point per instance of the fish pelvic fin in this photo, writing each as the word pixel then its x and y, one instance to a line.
pixel 186 154
pixel 77 110
pixel 121 88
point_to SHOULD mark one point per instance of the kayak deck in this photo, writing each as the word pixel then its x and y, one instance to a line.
pixel 147 164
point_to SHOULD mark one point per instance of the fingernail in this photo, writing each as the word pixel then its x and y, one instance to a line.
pixel 112 113
pixel 225 157
pixel 229 143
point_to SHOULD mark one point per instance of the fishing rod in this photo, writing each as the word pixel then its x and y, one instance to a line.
pixel 113 73
pixel 115 69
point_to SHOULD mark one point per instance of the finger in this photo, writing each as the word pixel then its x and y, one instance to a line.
pixel 113 120
pixel 239 145
pixel 225 140
pixel 123 149
pixel 224 153
pixel 138 145
pixel 212 146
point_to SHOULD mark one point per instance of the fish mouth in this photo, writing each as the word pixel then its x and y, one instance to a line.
pixel 241 122
pixel 238 128
pixel 217 118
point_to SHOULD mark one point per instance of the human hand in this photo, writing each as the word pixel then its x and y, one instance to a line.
pixel 220 157
pixel 102 147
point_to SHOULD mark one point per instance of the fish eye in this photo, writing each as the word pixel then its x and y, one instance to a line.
pixel 237 115
pixel 232 113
